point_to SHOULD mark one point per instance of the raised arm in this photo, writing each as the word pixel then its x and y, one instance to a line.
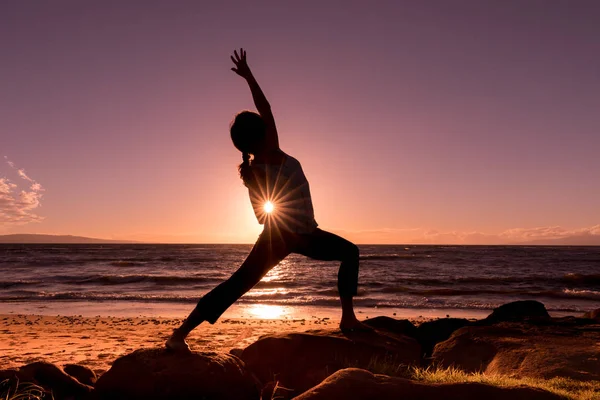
pixel 260 101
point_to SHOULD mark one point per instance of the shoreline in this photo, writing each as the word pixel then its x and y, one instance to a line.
pixel 131 309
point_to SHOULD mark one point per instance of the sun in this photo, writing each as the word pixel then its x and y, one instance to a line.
pixel 269 207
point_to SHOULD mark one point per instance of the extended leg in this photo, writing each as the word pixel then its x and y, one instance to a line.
pixel 265 254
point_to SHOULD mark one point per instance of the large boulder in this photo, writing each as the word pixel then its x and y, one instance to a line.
pixel 524 349
pixel 299 361
pixel 516 311
pixel 358 384
pixel 82 373
pixel 156 374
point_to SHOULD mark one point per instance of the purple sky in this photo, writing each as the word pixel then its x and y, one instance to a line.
pixel 428 121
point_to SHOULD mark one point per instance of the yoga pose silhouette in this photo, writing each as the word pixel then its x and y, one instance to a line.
pixel 280 196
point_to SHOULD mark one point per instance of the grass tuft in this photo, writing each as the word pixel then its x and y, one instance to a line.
pixel 11 390
pixel 569 388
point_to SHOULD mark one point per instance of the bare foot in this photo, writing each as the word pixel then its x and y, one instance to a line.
pixel 177 343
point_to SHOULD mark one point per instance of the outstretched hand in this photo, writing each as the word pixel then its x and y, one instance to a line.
pixel 241 66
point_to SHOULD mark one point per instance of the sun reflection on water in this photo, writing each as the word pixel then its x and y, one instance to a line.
pixel 264 311
pixel 277 272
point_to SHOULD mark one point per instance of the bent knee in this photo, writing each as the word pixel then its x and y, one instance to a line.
pixel 352 253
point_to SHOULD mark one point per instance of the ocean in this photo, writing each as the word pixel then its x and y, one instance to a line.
pixel 149 279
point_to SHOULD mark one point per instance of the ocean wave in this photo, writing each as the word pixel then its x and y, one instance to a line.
pixel 127 263
pixel 34 296
pixel 449 281
pixel 162 280
pixel 278 284
pixel 11 284
pixel 412 284
pixel 369 302
pixel 587 295
pixel 587 279
pixel 515 292
pixel 128 279
pixel 498 280
pixel 582 294
pixel 70 260
pixel 391 257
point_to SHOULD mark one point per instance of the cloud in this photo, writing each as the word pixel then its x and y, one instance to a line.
pixel 18 206
pixel 22 174
pixel 10 163
pixel 548 233
pixel 554 235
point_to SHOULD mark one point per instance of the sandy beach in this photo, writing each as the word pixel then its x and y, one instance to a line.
pixel 97 341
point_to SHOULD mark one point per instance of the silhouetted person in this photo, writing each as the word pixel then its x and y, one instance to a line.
pixel 280 197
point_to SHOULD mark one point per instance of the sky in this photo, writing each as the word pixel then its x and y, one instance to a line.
pixel 470 122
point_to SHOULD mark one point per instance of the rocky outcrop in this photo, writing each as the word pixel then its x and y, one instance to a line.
pixel 516 311
pixel 358 384
pixel 547 350
pixel 158 374
pixel 299 361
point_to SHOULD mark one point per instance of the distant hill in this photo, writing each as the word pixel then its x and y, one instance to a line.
pixel 34 238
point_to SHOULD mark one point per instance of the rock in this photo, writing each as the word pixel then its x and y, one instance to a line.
pixel 53 379
pixel 516 311
pixel 396 326
pixel 236 352
pixel 465 350
pixel 81 373
pixel 299 361
pixel 358 384
pixel 432 332
pixel 595 314
pixel 156 374
pixel 525 350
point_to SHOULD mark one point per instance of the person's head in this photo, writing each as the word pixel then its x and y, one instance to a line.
pixel 248 133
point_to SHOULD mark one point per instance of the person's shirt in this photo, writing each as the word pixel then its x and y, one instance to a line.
pixel 285 186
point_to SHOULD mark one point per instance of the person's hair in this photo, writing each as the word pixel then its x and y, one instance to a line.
pixel 248 133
